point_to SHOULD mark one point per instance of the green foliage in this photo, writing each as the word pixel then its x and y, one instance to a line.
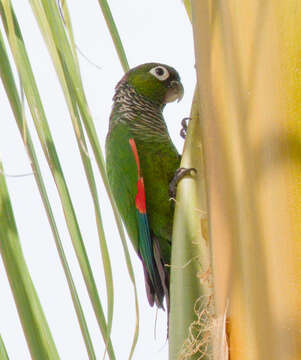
pixel 59 39
pixel 67 68
pixel 3 352
pixel 33 320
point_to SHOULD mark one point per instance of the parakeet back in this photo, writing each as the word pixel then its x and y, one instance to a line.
pixel 141 162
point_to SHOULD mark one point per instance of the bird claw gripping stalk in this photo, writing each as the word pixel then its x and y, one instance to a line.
pixel 183 131
pixel 179 174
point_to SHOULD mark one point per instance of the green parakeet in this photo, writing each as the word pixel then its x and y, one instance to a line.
pixel 141 161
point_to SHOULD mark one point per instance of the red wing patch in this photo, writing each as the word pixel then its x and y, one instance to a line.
pixel 140 197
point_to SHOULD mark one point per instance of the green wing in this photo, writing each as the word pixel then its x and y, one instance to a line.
pixel 123 174
pixel 127 185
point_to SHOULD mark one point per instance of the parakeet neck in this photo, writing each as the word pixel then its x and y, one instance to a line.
pixel 144 117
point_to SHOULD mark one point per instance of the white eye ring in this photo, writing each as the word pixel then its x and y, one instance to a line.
pixel 160 72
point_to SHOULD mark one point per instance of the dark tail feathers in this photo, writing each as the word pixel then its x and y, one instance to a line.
pixel 158 287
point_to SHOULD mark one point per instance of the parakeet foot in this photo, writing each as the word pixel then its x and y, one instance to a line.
pixel 179 174
pixel 183 131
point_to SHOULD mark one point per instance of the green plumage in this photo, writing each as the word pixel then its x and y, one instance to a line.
pixel 137 114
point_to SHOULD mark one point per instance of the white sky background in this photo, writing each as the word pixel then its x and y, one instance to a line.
pixel 151 31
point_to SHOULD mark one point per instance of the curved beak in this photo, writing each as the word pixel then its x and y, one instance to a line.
pixel 175 91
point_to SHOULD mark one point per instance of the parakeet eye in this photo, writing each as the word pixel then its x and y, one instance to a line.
pixel 160 72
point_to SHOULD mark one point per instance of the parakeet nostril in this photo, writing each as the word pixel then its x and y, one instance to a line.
pixel 175 92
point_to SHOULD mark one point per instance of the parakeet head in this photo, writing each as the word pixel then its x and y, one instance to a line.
pixel 156 82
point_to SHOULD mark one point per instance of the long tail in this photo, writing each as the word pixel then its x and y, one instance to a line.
pixel 162 270
pixel 157 285
pixel 156 275
pixel 154 288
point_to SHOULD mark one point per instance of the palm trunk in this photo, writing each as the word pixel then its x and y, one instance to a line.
pixel 248 70
pixel 191 299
